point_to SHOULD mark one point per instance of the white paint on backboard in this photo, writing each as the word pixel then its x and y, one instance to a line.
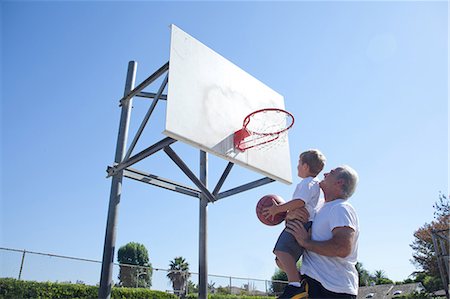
pixel 208 98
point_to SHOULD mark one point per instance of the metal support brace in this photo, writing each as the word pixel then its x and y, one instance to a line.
pixel 245 187
pixel 223 178
pixel 175 158
pixel 145 83
pixel 160 182
pixel 146 118
pixel 151 95
pixel 142 155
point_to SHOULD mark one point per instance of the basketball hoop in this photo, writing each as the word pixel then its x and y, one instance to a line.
pixel 263 128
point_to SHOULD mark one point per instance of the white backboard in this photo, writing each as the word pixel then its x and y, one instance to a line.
pixel 208 98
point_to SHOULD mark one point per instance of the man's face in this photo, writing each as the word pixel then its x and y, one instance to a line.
pixel 330 179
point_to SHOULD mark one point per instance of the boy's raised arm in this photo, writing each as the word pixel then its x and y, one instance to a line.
pixel 288 206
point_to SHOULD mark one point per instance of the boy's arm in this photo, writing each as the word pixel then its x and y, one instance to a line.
pixel 301 214
pixel 271 211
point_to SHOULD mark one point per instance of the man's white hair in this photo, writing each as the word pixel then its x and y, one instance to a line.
pixel 350 178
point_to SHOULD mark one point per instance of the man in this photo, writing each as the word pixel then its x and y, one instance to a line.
pixel 331 251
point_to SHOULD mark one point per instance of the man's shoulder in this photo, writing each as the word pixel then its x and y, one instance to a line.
pixel 343 204
pixel 344 207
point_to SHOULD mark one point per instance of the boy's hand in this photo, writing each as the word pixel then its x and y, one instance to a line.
pixel 271 211
pixel 301 214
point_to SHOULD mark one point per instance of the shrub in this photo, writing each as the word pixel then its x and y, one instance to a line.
pixel 222 296
pixel 12 289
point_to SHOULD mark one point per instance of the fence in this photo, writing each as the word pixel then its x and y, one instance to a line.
pixel 39 266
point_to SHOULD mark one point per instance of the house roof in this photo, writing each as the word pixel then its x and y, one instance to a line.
pixel 387 291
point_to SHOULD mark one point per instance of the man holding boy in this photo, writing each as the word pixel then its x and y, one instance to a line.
pixel 331 250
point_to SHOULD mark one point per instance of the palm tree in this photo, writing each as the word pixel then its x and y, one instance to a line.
pixel 364 276
pixel 381 278
pixel 179 275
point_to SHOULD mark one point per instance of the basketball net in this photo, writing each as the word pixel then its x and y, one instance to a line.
pixel 264 129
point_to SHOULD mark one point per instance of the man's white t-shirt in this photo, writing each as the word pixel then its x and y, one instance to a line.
pixel 336 274
pixel 308 190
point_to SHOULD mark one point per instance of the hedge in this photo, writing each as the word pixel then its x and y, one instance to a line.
pixel 220 296
pixel 13 289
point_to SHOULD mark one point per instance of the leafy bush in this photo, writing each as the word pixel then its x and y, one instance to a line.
pixel 12 289
pixel 222 296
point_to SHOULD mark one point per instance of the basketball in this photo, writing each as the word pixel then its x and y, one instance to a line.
pixel 266 201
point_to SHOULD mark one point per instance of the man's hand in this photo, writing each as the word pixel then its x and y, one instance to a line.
pixel 296 228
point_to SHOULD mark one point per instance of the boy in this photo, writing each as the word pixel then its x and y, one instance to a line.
pixel 306 194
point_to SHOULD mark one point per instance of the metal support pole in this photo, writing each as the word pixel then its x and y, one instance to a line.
pixel 104 291
pixel 439 257
pixel 203 265
pixel 21 264
pixel 444 255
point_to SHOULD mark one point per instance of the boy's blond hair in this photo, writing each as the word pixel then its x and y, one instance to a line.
pixel 314 159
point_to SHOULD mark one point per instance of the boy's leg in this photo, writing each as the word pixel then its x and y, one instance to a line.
pixel 288 253
pixel 288 265
pixel 277 261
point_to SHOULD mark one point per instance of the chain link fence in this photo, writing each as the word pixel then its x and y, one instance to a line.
pixel 39 266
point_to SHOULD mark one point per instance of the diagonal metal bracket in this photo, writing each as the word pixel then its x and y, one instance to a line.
pixel 139 156
pixel 151 95
pixel 175 158
pixel 222 179
pixel 145 83
pixel 245 187
pixel 146 118
pixel 160 182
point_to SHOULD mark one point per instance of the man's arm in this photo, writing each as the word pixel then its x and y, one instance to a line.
pixel 340 244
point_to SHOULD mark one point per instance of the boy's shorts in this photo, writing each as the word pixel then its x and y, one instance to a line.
pixel 287 243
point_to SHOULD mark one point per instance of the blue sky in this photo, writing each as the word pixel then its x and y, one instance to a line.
pixel 367 82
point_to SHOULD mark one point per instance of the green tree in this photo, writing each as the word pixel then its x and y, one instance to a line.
pixel 192 287
pixel 223 290
pixel 278 287
pixel 179 275
pixel 129 256
pixel 211 287
pixel 365 279
pixel 430 283
pixel 441 207
pixel 381 278
pixel 424 255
